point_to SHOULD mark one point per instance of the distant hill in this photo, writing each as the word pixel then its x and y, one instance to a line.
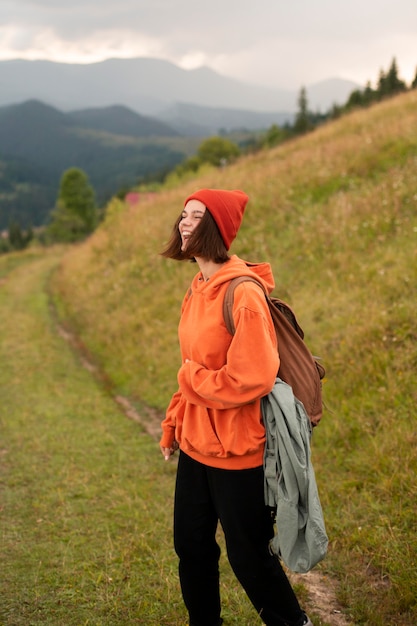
pixel 151 87
pixel 115 147
pixel 120 120
pixel 195 120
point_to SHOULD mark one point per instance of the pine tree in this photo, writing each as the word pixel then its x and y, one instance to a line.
pixel 394 84
pixel 356 99
pixel 368 94
pixel 414 83
pixel 302 122
pixel 382 88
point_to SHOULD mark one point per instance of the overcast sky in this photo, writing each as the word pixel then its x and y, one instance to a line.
pixel 278 43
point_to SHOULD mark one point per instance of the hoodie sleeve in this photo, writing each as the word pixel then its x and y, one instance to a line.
pixel 169 423
pixel 252 358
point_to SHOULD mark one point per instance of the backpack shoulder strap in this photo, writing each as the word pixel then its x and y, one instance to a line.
pixel 273 304
pixel 229 297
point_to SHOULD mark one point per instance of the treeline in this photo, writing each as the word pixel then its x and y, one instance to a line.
pixel 388 84
pixel 221 150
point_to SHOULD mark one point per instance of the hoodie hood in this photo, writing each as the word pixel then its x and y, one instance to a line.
pixel 231 269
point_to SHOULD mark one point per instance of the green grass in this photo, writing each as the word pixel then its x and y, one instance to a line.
pixel 86 501
pixel 86 498
pixel 335 212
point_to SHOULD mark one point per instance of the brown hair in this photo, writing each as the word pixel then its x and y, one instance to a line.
pixel 205 241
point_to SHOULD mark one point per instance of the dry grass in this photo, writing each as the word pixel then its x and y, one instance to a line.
pixel 335 214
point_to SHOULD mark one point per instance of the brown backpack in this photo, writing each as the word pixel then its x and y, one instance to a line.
pixel 298 367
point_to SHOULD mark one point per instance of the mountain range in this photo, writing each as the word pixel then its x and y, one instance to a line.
pixel 115 146
pixel 121 121
pixel 161 89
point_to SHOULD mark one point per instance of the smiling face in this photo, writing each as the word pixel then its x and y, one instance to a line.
pixel 190 219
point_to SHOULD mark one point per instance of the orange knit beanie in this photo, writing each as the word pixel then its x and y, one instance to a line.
pixel 226 207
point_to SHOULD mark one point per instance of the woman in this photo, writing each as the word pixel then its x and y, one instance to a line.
pixel 215 419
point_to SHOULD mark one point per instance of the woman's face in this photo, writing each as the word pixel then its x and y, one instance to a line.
pixel 190 219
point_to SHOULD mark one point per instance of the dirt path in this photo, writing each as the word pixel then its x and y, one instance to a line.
pixel 322 597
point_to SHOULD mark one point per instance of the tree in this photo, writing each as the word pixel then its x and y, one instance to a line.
pixel 75 215
pixel 368 94
pixel 19 239
pixel 414 83
pixel 394 84
pixel 16 237
pixel 274 136
pixel 4 245
pixel 302 122
pixel 336 111
pixel 382 87
pixel 355 99
pixel 218 151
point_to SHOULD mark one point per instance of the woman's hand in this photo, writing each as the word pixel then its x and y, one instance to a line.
pixel 168 452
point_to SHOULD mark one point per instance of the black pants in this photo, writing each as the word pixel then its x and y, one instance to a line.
pixel 205 495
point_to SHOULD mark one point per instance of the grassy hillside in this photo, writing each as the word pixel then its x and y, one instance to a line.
pixel 335 213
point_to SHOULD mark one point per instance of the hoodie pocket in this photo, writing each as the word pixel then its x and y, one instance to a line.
pixel 223 433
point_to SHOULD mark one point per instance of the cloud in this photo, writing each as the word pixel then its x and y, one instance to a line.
pixel 273 42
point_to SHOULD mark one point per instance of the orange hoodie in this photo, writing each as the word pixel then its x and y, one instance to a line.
pixel 215 415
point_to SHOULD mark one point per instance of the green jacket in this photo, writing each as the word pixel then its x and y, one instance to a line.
pixel 290 484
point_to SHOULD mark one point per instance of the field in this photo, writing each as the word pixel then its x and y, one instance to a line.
pixel 335 213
